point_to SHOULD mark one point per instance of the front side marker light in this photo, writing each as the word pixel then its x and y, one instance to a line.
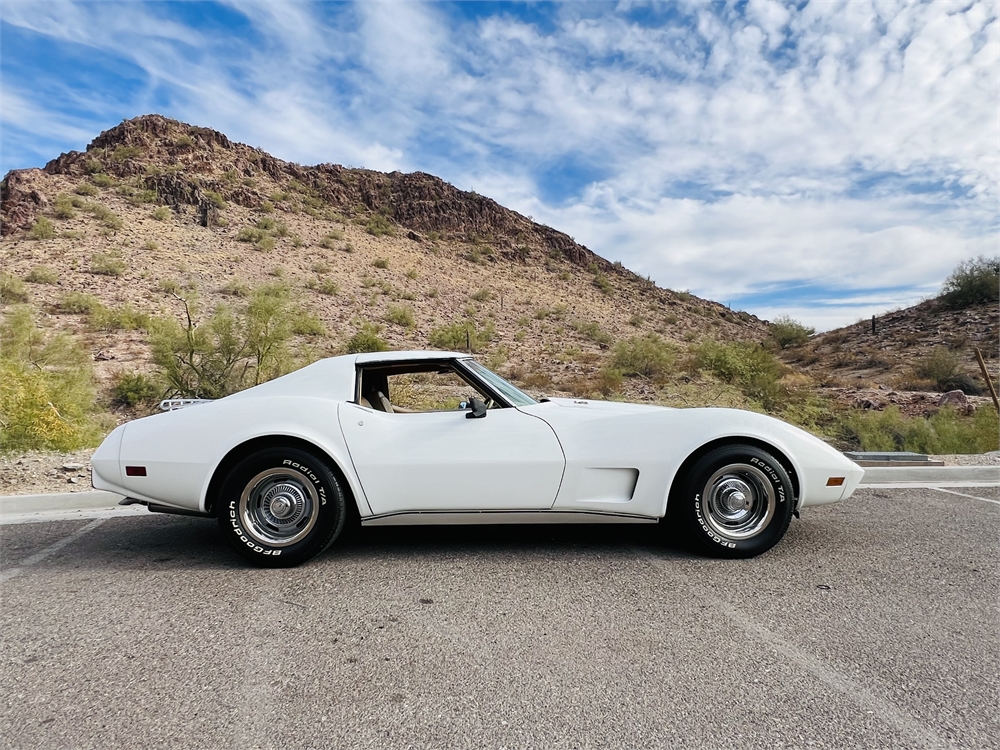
pixel 835 481
pixel 135 471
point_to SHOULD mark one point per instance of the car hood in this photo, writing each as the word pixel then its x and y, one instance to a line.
pixel 602 408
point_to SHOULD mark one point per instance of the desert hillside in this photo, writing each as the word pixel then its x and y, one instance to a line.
pixel 156 209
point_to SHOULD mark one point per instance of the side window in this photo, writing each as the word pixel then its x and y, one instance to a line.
pixel 409 388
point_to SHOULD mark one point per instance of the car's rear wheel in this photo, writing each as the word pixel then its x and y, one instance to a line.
pixel 736 501
pixel 281 506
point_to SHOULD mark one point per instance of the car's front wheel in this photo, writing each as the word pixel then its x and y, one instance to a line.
pixel 736 501
pixel 281 506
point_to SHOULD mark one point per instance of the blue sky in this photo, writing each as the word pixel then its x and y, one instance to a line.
pixel 827 160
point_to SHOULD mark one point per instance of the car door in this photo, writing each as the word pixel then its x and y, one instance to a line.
pixel 441 460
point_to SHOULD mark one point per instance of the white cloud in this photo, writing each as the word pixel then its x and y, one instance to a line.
pixel 849 144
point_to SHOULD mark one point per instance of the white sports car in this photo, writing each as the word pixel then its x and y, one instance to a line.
pixel 399 438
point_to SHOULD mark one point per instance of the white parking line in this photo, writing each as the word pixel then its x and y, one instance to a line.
pixel 909 726
pixel 962 494
pixel 36 558
pixel 84 514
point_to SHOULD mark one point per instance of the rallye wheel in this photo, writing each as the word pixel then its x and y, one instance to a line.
pixel 281 506
pixel 736 501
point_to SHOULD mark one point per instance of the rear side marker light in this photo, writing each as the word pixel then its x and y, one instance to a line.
pixel 135 471
pixel 831 482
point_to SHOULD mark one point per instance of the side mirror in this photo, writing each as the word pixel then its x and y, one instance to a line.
pixel 478 409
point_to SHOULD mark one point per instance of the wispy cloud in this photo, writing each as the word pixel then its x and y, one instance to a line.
pixel 730 149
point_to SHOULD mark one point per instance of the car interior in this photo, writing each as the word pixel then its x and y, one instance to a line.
pixel 414 388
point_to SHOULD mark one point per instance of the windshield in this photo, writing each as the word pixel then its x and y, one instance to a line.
pixel 513 394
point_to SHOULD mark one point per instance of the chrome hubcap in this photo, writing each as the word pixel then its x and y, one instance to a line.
pixel 738 501
pixel 279 507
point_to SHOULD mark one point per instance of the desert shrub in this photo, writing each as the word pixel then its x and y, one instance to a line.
pixel 328 287
pixel 140 197
pixel 233 347
pixel 367 339
pixel 250 234
pixel 973 281
pixel 464 335
pixel 150 245
pixel 161 214
pixel 412 274
pixel 102 180
pixel 379 225
pixel 235 288
pixel 42 275
pixel 602 282
pixel 380 263
pixel 647 356
pixel 134 388
pixel 124 318
pixel 593 332
pixel 42 229
pixel 123 153
pixel 939 366
pixel 46 388
pixel 400 315
pixel 169 286
pixel 747 365
pixel 183 141
pixel 786 332
pixel 78 303
pixel 85 188
pixel 321 267
pixel 107 264
pixel 944 432
pixel 481 295
pixel 63 207
pixel 12 289
pixel 105 215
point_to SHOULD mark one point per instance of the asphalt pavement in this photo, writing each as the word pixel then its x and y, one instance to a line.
pixel 872 624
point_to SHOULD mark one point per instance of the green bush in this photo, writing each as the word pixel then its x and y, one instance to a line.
pixel 647 356
pixel 462 336
pixel 12 289
pixel 42 229
pixel 46 389
pixel 102 180
pixel 124 318
pixel 78 303
pixel 134 388
pixel 63 207
pixel 124 153
pixel 593 332
pixel 786 332
pixel 105 264
pixel 328 287
pixel 602 282
pixel 161 214
pixel 973 281
pixel 943 433
pixel 747 365
pixel 483 295
pixel 380 263
pixel 940 365
pixel 400 315
pixel 367 339
pixel 379 225
pixel 85 188
pixel 42 275
pixel 233 348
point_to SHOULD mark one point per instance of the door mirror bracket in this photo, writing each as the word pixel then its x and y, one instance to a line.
pixel 478 409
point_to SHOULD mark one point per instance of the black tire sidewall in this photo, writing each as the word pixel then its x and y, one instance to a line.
pixel 329 520
pixel 689 502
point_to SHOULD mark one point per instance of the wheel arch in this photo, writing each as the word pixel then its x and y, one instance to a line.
pixel 696 455
pixel 244 449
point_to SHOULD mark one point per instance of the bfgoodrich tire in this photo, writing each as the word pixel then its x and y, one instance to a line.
pixel 281 506
pixel 736 501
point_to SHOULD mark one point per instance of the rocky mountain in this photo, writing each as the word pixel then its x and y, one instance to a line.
pixel 156 210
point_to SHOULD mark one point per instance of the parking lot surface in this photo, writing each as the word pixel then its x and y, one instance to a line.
pixel 874 623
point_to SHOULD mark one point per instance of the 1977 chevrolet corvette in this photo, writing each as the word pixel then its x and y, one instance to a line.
pixel 397 438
